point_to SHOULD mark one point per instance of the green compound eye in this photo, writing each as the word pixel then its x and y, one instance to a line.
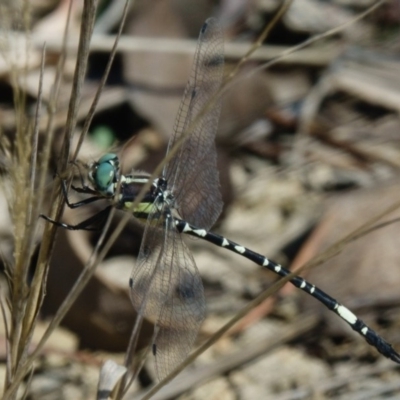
pixel 109 157
pixel 106 173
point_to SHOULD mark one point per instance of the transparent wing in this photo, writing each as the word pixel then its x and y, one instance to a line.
pixel 192 173
pixel 167 289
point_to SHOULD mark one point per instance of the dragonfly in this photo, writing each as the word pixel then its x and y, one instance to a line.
pixel 165 284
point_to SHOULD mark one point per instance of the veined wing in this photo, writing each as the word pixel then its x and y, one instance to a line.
pixel 192 173
pixel 166 288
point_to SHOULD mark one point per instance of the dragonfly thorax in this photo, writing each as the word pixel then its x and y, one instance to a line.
pixel 156 201
pixel 162 193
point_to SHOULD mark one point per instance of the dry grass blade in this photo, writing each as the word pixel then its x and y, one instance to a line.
pixel 19 170
pixel 26 301
pixel 42 265
pixel 33 204
pixel 36 293
pixel 24 207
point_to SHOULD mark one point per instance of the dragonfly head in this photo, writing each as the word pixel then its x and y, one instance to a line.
pixel 104 174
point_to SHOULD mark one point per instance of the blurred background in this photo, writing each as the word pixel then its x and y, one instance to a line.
pixel 308 151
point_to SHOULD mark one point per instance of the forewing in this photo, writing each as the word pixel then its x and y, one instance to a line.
pixel 167 289
pixel 192 173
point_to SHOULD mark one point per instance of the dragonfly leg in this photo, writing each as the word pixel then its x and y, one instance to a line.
pixel 87 225
pixel 84 189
